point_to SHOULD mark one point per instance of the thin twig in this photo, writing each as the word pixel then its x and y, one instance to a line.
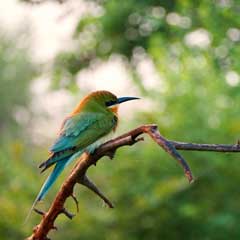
pixel 206 147
pixel 39 211
pixel 85 181
pixel 108 149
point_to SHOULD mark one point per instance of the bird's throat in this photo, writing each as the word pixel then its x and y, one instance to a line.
pixel 114 109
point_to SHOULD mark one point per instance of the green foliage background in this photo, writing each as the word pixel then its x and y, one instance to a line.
pixel 193 103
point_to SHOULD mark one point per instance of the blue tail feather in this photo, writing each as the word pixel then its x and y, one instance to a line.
pixel 48 183
pixel 59 167
pixel 51 179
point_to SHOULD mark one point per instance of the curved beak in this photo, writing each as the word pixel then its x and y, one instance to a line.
pixel 125 99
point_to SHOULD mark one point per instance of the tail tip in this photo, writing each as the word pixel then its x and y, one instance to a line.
pixel 41 165
pixel 31 209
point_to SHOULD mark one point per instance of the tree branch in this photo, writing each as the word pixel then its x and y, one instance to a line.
pixel 78 174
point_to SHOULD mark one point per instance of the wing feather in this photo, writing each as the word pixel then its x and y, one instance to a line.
pixel 82 129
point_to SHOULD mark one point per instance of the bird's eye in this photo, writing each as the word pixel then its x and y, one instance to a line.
pixel 110 103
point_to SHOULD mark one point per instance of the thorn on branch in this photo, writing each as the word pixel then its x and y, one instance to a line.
pixel 54 228
pixel 76 201
pixel 136 139
pixel 139 139
pixel 111 154
pixel 39 212
pixel 35 228
pixel 67 214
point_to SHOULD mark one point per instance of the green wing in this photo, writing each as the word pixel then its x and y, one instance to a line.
pixel 83 129
pixel 77 133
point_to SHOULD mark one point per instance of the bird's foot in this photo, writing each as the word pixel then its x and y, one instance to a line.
pixel 90 185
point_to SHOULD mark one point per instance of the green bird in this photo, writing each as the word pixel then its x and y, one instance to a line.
pixel 83 130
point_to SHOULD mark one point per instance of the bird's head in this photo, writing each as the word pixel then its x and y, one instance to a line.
pixel 102 100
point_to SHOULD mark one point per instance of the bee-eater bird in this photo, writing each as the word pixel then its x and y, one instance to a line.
pixel 94 117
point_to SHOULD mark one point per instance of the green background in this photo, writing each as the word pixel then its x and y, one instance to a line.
pixel 197 100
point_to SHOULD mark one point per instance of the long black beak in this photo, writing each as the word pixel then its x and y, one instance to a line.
pixel 125 99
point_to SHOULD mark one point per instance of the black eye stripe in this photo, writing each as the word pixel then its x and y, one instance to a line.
pixel 110 103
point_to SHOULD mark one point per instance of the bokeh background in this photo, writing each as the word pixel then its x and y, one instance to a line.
pixel 180 57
